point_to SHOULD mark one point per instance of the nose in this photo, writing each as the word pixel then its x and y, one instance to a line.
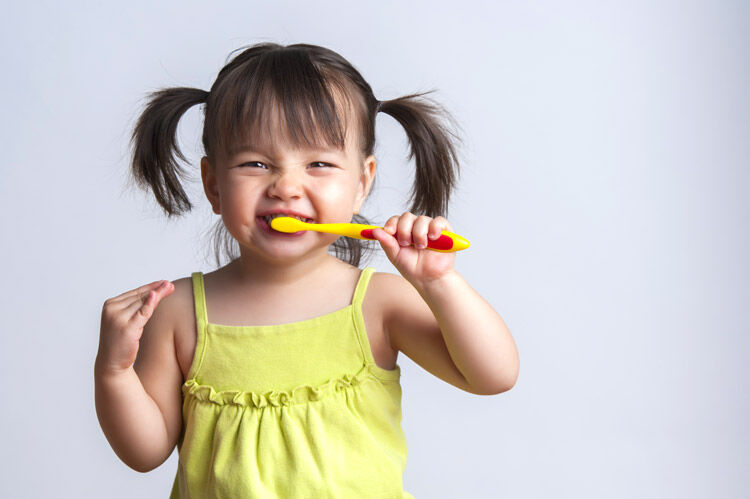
pixel 286 185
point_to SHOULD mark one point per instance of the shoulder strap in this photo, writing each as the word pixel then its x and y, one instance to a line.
pixel 199 295
pixel 361 331
pixel 359 290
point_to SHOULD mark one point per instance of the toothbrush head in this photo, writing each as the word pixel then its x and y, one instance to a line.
pixel 287 224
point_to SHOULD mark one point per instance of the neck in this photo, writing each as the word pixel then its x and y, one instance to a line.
pixel 249 270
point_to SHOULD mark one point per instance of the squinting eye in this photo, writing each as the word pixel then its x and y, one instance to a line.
pixel 250 163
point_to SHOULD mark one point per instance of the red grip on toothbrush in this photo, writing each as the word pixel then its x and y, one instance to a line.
pixel 442 243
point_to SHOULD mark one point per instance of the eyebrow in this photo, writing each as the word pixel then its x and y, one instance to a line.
pixel 259 150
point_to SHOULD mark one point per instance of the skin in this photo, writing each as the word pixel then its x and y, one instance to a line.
pixel 327 185
pixel 429 312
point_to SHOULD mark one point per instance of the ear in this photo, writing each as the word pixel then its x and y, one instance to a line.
pixel 365 182
pixel 210 185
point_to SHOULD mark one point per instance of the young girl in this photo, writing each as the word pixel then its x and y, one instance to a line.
pixel 275 375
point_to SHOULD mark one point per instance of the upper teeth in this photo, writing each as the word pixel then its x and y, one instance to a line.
pixel 276 215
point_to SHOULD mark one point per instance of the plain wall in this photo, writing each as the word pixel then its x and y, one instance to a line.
pixel 606 148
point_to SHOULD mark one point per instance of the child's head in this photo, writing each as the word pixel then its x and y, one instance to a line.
pixel 284 102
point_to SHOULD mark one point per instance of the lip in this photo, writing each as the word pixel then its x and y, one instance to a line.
pixel 286 212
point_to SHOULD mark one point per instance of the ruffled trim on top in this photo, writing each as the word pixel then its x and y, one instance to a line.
pixel 298 395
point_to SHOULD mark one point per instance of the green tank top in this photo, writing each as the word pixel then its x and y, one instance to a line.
pixel 295 410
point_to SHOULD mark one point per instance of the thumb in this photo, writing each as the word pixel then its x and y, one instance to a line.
pixel 146 310
pixel 387 242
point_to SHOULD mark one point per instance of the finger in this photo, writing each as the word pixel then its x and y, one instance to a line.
pixel 419 231
pixel 142 315
pixel 437 226
pixel 387 242
pixel 148 301
pixel 130 304
pixel 133 293
pixel 403 232
pixel 391 224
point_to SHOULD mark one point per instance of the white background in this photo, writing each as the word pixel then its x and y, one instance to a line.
pixel 604 191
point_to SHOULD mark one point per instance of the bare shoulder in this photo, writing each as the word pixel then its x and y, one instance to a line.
pixel 411 328
pixel 397 302
pixel 158 367
pixel 378 289
pixel 178 310
pixel 373 307
pixel 179 303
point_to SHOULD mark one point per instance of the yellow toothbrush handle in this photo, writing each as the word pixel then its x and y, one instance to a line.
pixel 447 242
pixel 342 229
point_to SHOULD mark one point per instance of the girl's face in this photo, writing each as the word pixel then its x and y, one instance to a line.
pixel 325 185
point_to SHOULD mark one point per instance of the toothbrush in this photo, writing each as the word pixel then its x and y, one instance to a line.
pixel 446 243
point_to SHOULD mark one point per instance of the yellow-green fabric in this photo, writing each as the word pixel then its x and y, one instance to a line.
pixel 295 410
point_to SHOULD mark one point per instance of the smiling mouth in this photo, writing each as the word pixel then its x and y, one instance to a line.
pixel 268 218
pixel 265 222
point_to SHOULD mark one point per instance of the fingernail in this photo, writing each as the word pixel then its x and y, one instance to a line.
pixel 420 246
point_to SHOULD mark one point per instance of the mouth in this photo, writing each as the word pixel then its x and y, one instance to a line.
pixel 265 222
pixel 271 216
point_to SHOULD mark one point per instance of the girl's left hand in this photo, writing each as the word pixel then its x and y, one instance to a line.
pixel 417 264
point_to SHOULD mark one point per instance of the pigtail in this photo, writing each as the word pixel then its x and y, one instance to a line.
pixel 434 150
pixel 154 144
pixel 312 88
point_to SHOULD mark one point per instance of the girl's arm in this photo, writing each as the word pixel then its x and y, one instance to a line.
pixel 131 420
pixel 476 336
pixel 436 318
pixel 452 332
pixel 137 377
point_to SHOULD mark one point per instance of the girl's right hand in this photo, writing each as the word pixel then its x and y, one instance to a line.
pixel 123 320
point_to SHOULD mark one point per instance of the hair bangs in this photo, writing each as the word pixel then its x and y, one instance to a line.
pixel 283 96
pixel 303 96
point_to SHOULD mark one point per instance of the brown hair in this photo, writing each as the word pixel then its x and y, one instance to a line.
pixel 302 81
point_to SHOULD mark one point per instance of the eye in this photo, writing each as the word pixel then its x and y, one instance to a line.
pixel 316 164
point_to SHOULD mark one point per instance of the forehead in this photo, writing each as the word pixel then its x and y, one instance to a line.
pixel 270 132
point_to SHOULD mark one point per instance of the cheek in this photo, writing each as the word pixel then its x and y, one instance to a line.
pixel 239 202
pixel 337 196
